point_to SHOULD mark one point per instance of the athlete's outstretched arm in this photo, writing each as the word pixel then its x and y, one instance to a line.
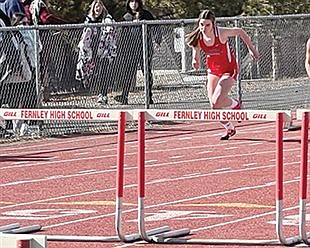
pixel 307 62
pixel 196 57
pixel 231 32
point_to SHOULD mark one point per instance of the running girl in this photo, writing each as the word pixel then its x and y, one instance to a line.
pixel 220 61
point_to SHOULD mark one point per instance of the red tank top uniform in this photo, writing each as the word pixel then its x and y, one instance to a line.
pixel 220 57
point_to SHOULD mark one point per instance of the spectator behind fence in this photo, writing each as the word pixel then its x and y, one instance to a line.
pixel 38 13
pixel 6 47
pixel 27 96
pixel 97 49
pixel 220 61
pixel 132 49
pixel 19 88
pixel 9 7
pixel 307 62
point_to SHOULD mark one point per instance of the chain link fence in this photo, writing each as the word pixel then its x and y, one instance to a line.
pixel 152 68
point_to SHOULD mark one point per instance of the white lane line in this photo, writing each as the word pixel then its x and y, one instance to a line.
pixel 87 171
pixel 185 138
pixel 204 152
pixel 232 191
pixel 81 153
pixel 54 145
pixel 150 161
pixel 52 142
pixel 243 219
pixel 22 162
pixel 250 164
pixel 196 175
pixel 159 139
pixel 175 157
pixel 170 163
pixel 231 148
pixel 148 151
pixel 256 144
pixel 160 142
pixel 222 169
pixel 193 174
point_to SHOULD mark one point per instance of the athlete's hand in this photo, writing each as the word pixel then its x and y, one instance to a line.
pixel 195 64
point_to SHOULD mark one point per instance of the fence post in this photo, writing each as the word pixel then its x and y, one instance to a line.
pixel 238 58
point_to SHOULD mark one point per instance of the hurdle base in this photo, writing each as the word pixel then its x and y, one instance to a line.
pixel 221 241
pixel 129 238
pixel 306 239
pixel 171 234
pixel 291 128
pixel 72 238
pixel 24 230
pixel 9 227
pixel 291 241
pixel 11 240
pixel 151 232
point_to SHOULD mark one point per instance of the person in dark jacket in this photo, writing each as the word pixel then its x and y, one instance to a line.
pixel 4 19
pixel 131 43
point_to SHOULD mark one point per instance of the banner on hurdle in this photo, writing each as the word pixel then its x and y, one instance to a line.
pixel 151 114
pixel 299 113
pixel 60 114
pixel 211 115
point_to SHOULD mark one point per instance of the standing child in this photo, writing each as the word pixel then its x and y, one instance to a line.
pixel 97 49
pixel 220 61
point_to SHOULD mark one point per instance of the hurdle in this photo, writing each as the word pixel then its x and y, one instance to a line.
pixel 85 115
pixel 303 115
pixel 120 186
pixel 218 115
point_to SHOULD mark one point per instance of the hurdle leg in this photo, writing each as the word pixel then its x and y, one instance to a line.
pixel 279 184
pixel 141 190
pixel 120 187
pixel 303 177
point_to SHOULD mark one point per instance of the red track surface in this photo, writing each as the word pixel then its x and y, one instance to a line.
pixel 218 189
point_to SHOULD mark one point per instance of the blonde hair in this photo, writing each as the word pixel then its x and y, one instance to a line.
pixel 17 18
pixel 92 9
pixel 193 37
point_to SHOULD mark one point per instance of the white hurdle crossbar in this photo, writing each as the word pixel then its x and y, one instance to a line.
pixel 215 115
